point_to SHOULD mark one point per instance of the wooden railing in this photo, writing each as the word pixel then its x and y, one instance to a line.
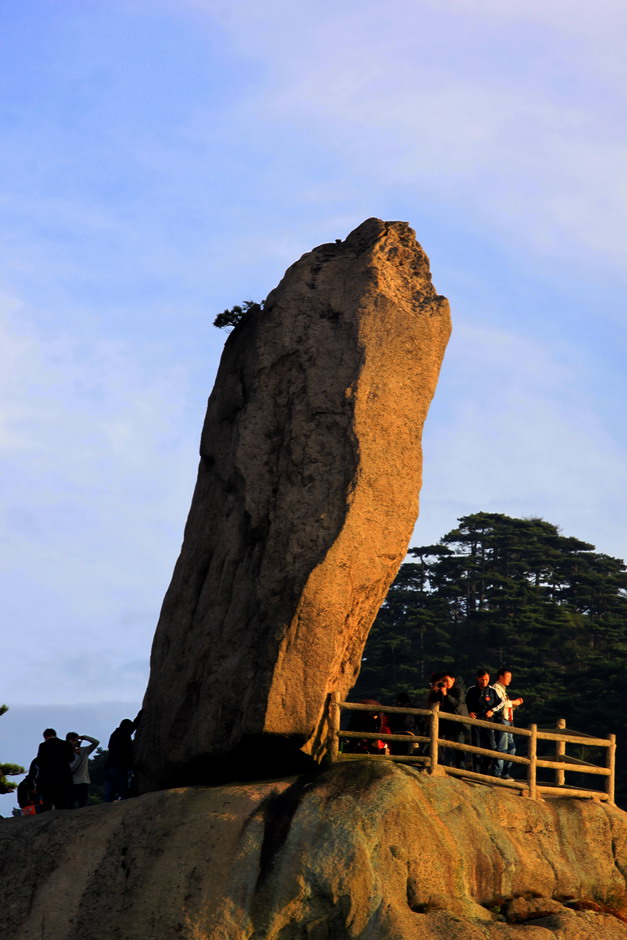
pixel 559 763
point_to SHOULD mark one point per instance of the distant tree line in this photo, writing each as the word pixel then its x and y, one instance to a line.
pixel 498 590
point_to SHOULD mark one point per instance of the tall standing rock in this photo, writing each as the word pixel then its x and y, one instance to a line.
pixel 306 498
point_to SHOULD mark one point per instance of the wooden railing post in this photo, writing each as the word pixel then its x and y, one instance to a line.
pixel 611 766
pixel 560 753
pixel 533 758
pixel 434 734
pixel 333 747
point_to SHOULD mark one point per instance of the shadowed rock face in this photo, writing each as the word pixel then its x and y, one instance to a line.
pixel 306 498
pixel 365 851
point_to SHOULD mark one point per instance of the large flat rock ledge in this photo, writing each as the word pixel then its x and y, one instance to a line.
pixel 366 851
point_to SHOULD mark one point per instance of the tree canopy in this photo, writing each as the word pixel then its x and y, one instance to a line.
pixel 495 591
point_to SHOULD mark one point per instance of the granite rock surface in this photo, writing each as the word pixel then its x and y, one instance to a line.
pixel 306 498
pixel 366 851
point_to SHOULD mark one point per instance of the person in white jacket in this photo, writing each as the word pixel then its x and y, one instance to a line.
pixel 80 764
pixel 505 741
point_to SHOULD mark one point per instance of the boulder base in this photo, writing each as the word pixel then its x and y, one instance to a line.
pixel 366 851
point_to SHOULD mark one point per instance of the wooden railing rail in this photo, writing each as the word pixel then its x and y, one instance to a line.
pixel 560 763
pixel 477 722
pixel 379 736
pixel 570 737
pixel 573 766
pixel 389 709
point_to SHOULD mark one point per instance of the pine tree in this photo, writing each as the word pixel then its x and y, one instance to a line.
pixel 96 775
pixel 8 770
pixel 499 590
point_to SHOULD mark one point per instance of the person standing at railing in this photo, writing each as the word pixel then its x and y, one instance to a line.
pixel 505 741
pixel 374 722
pixel 483 702
pixel 453 704
pixel 437 691
pixel 442 692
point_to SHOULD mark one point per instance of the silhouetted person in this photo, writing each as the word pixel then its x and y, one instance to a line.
pixel 54 777
pixel 80 764
pixel 119 762
pixel 28 797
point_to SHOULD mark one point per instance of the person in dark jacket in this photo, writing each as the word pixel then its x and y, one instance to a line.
pixel 119 762
pixel 483 702
pixel 452 704
pixel 54 776
pixel 442 689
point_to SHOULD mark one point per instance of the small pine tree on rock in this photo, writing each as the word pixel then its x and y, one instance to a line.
pixel 230 318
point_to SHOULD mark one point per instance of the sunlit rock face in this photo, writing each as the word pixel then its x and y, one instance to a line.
pixel 306 498
pixel 364 851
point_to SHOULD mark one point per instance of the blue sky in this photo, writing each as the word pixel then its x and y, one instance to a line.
pixel 161 161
